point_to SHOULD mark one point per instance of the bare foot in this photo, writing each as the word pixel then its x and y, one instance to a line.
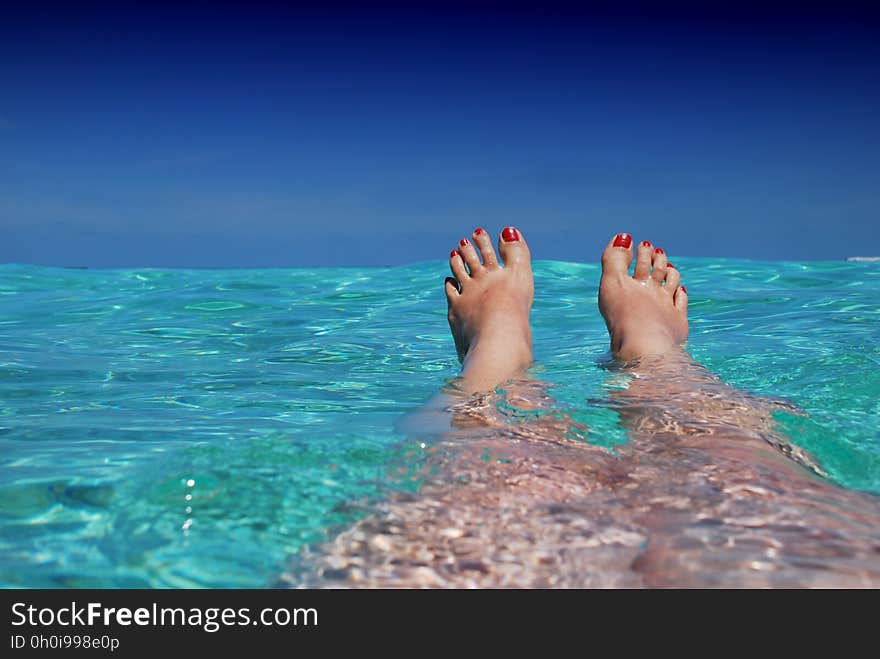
pixel 646 313
pixel 489 308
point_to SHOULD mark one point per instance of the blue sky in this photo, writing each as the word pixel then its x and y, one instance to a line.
pixel 254 135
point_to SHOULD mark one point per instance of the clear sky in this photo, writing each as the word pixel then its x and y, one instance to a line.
pixel 264 135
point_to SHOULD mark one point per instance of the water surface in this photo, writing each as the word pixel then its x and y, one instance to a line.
pixel 197 427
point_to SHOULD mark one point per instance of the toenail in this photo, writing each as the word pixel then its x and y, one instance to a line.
pixel 623 240
pixel 684 290
pixel 669 265
pixel 453 253
pixel 646 243
pixel 659 250
pixel 479 231
pixel 463 242
pixel 510 235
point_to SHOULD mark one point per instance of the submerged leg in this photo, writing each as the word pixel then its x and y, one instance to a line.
pixel 711 481
pixel 646 316
pixel 488 311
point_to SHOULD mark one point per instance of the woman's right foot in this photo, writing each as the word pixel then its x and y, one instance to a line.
pixel 646 313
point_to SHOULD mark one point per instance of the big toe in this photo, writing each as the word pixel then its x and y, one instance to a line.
pixel 618 255
pixel 513 248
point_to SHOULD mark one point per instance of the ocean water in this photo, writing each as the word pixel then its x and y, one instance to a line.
pixel 196 428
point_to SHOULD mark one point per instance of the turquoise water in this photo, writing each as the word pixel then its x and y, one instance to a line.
pixel 196 427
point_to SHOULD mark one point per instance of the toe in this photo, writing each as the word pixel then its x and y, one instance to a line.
pixel 484 243
pixel 513 248
pixel 643 260
pixel 456 264
pixel 470 256
pixel 659 265
pixel 680 300
pixel 451 290
pixel 673 277
pixel 617 255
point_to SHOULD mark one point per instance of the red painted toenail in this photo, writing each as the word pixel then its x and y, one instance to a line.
pixel 454 253
pixel 463 242
pixel 510 235
pixel 646 243
pixel 659 250
pixel 669 265
pixel 479 231
pixel 684 290
pixel 623 240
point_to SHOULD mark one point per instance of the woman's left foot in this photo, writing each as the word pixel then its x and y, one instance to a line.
pixel 489 308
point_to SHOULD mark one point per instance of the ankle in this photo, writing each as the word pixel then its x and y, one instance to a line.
pixel 488 363
pixel 631 345
pixel 507 341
